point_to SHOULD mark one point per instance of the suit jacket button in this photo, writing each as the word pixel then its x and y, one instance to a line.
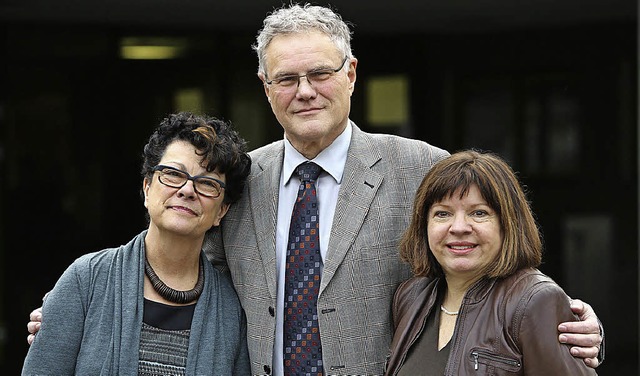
pixel 271 312
pixel 267 369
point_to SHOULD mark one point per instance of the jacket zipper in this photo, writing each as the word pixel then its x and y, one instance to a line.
pixel 483 354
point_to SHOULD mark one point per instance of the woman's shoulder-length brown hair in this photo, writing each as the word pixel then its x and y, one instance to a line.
pixel 500 187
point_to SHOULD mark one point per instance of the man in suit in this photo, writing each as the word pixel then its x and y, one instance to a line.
pixel 366 192
pixel 365 196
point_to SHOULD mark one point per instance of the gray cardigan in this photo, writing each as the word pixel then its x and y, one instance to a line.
pixel 93 317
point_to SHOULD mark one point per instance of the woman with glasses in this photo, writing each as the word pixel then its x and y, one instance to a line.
pixel 156 306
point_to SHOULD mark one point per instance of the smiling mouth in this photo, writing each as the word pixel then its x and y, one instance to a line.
pixel 461 249
pixel 183 209
pixel 307 111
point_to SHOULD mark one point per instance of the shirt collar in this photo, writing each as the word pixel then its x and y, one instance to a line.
pixel 332 159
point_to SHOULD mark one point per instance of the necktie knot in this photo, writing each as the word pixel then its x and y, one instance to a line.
pixel 308 171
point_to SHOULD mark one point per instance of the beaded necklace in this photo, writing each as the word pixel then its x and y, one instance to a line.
pixel 175 296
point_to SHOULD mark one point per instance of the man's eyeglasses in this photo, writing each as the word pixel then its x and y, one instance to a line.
pixel 314 77
pixel 204 185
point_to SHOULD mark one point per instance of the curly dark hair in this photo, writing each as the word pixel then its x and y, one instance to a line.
pixel 220 146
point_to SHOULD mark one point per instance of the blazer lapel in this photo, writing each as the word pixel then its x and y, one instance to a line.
pixel 359 187
pixel 263 193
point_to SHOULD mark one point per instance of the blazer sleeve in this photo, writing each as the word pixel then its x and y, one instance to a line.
pixel 214 249
pixel 541 312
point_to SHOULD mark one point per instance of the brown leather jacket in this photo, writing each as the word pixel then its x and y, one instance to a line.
pixel 505 326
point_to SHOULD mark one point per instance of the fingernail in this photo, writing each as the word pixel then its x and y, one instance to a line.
pixel 562 328
pixel 563 339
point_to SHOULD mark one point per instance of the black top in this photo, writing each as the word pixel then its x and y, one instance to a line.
pixel 168 317
pixel 423 357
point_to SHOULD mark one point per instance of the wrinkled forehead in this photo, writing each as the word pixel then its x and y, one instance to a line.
pixel 304 48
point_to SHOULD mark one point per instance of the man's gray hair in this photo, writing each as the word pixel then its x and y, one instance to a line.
pixel 295 18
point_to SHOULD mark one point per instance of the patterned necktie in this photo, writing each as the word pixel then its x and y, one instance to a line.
pixel 302 349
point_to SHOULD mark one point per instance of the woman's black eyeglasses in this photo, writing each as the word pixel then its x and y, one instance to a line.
pixel 204 185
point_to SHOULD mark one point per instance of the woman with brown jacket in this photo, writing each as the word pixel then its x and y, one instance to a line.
pixel 477 304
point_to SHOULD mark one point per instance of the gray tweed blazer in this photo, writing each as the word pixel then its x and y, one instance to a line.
pixel 362 267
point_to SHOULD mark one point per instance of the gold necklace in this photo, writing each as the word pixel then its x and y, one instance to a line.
pixel 450 313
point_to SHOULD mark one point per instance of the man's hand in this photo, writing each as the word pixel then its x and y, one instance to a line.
pixel 584 335
pixel 34 324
